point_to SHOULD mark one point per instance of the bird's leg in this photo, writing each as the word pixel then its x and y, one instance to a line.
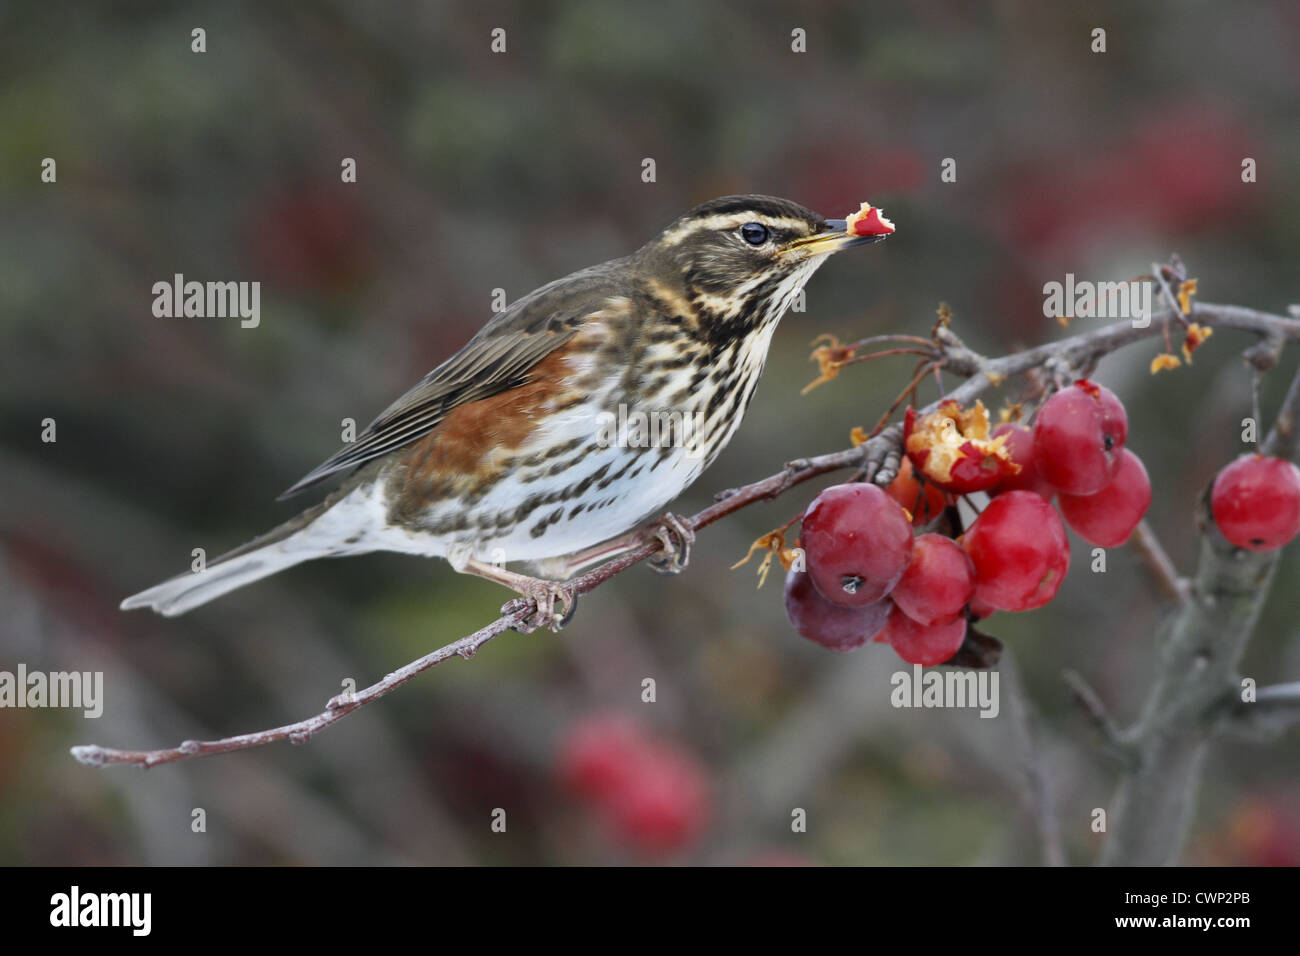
pixel 670 531
pixel 566 566
pixel 546 594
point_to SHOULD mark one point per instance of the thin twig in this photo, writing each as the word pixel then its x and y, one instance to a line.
pixel 1041 796
pixel 1282 441
pixel 1090 703
pixel 877 458
pixel 1152 552
pixel 1275 709
pixel 335 709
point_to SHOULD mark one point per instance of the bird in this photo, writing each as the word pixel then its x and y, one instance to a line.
pixel 513 449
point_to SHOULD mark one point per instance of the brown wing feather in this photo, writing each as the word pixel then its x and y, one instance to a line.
pixel 499 357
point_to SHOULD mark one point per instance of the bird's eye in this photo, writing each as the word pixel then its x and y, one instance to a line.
pixel 754 233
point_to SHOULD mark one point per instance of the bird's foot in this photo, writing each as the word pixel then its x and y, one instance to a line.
pixel 676 539
pixel 555 603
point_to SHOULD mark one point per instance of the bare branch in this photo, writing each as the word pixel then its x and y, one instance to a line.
pixel 1152 552
pixel 1197 672
pixel 1093 708
pixel 1276 709
pixel 877 459
pixel 1283 438
pixel 1040 795
pixel 335 710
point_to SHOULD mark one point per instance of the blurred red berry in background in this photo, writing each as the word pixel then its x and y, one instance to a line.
pixel 653 795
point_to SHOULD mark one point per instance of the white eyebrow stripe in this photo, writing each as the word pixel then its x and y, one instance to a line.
pixel 725 221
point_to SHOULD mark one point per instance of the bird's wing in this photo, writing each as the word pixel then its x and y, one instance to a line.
pixel 498 358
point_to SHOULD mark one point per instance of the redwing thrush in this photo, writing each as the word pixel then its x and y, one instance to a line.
pixel 520 447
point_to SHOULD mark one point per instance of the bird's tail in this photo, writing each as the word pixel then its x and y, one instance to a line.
pixel 312 534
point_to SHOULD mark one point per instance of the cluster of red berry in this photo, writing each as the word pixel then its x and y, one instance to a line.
pixel 868 578
pixel 652 795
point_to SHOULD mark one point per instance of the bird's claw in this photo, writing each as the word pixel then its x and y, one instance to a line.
pixel 545 596
pixel 676 539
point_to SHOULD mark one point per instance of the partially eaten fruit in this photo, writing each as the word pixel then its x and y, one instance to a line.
pixel 952 447
pixel 868 221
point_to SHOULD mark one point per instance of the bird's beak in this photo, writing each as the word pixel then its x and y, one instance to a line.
pixel 831 239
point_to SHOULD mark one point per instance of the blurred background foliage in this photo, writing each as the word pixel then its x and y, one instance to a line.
pixel 479 170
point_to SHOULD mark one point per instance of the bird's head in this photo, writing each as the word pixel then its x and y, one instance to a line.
pixel 741 260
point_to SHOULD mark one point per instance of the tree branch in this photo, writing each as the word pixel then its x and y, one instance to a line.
pixel 877 458
pixel 1276 709
pixel 335 709
pixel 1197 676
pixel 1152 552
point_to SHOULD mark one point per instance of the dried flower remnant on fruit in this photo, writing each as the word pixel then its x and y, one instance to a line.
pixel 868 221
pixel 1164 361
pixel 1194 339
pixel 773 543
pixel 830 358
pixel 953 448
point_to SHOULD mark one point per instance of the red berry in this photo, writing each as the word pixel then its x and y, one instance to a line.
pixel 857 542
pixel 1077 438
pixel 924 644
pixel 925 501
pixel 830 625
pixel 938 582
pixel 1020 550
pixel 981 609
pixel 883 636
pixel 663 803
pixel 1020 445
pixel 1256 502
pixel 597 754
pixel 1108 517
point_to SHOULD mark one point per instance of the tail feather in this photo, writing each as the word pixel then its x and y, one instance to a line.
pixel 187 591
pixel 297 540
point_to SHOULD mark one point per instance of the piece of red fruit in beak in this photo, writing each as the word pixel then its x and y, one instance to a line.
pixel 868 221
pixel 952 447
